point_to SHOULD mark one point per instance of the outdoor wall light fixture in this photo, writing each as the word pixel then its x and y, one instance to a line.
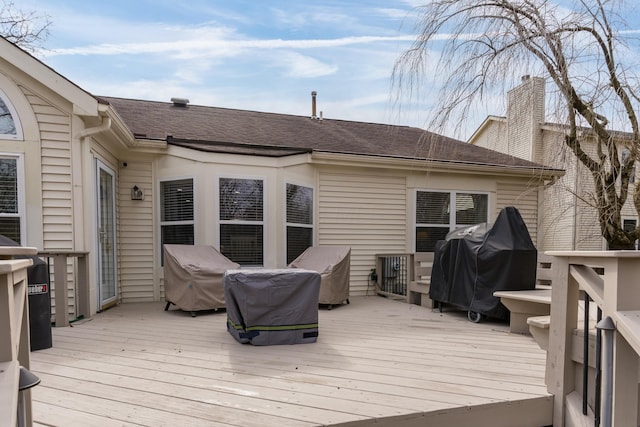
pixel 136 193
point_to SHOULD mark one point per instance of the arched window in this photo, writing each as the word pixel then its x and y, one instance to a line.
pixel 9 123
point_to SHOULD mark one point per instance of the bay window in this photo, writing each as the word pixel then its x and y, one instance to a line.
pixel 242 220
pixel 299 220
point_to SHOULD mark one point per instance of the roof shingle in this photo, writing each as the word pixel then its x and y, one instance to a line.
pixel 258 133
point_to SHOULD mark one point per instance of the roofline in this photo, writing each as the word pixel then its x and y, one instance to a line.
pixel 483 126
pixel 84 104
pixel 563 128
pixel 333 158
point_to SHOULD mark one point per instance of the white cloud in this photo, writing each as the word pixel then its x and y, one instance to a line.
pixel 301 66
pixel 210 44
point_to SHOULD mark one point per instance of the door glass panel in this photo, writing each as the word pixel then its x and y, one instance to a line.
pixel 106 238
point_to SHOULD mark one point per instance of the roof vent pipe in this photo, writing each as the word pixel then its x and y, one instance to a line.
pixel 313 104
pixel 179 102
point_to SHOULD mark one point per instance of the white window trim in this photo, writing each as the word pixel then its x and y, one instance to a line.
pixel 16 119
pixel 265 209
pixel 452 224
pixel 21 194
pixel 295 224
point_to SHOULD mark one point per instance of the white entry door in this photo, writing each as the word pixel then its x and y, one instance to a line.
pixel 106 238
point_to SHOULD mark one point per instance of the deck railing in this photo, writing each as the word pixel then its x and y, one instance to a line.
pixel 612 281
pixel 14 339
pixel 60 283
pixel 394 273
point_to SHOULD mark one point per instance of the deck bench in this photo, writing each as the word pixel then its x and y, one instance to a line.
pixel 421 279
pixel 525 304
pixel 529 303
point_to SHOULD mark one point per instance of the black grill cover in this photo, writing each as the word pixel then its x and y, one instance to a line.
pixel 39 304
pixel 474 262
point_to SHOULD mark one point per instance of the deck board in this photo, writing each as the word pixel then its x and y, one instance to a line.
pixel 376 361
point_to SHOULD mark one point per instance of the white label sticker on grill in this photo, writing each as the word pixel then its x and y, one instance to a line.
pixel 36 289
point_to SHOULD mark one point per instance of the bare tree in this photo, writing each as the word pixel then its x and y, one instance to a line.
pixel 585 52
pixel 25 28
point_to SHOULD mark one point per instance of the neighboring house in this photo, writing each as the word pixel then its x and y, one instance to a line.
pixel 567 221
pixel 119 177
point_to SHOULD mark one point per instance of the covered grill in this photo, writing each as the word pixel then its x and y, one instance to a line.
pixel 474 262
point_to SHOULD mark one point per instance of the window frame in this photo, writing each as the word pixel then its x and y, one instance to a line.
pixel 262 223
pixel 288 224
pixel 626 218
pixel 19 136
pixel 20 184
pixel 162 223
pixel 452 225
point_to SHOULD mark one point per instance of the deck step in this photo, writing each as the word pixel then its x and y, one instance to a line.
pixel 525 304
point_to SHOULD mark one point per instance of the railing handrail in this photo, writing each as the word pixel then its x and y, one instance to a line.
pixel 617 294
pixel 14 337
pixel 60 283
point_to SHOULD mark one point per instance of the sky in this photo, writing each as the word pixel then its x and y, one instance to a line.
pixel 262 55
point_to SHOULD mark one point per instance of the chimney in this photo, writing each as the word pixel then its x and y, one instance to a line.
pixel 525 117
pixel 179 102
pixel 313 104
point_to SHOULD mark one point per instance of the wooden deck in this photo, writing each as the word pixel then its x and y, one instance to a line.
pixel 377 361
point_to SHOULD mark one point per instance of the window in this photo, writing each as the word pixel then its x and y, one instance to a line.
pixel 241 220
pixel 299 220
pixel 438 213
pixel 629 225
pixel 9 124
pixel 10 198
pixel 176 207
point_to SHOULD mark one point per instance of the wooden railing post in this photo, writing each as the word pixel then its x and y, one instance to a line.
pixel 60 282
pixel 622 293
pixel 564 315
pixel 14 339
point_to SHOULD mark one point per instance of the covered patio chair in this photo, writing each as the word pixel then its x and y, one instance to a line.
pixel 334 265
pixel 193 277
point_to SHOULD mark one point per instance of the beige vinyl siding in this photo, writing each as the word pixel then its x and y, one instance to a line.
pixel 494 136
pixel 558 215
pixel 525 115
pixel 558 212
pixel 135 234
pixel 524 198
pixel 588 234
pixel 365 212
pixel 57 210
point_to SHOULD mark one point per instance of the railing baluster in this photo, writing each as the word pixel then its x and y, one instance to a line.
pixel 607 380
pixel 585 356
pixel 598 379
